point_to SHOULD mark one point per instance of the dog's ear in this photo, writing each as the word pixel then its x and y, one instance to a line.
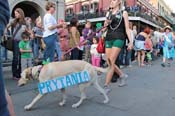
pixel 35 71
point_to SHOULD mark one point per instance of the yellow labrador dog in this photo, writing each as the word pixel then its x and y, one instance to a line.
pixel 58 69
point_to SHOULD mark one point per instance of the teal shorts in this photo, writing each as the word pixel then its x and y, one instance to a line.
pixel 114 43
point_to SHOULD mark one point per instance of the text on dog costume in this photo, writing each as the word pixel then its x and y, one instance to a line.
pixel 63 82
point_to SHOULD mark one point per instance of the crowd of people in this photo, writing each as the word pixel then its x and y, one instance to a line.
pixel 52 40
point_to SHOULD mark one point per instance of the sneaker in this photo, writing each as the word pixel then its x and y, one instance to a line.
pixel 15 78
pixel 122 80
pixel 142 65
pixel 121 66
pixel 169 65
pixel 163 65
pixel 107 89
pixel 114 78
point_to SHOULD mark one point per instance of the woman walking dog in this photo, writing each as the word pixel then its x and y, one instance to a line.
pixel 118 29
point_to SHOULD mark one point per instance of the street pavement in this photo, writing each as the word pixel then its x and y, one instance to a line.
pixel 150 92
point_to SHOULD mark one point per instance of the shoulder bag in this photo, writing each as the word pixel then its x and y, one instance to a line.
pixel 7 42
pixel 101 46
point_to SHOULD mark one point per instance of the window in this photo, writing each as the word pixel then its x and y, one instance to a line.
pixel 95 5
pixel 92 6
pixel 69 11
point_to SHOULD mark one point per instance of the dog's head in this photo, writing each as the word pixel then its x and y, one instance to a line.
pixel 29 74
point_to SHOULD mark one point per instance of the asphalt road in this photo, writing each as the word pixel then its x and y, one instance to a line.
pixel 150 92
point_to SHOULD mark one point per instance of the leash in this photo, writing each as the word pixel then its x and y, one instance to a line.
pixel 82 42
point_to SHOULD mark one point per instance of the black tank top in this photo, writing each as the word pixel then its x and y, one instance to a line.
pixel 118 33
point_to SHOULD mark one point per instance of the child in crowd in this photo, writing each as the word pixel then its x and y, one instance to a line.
pixel 95 56
pixel 26 51
pixel 37 36
pixel 88 35
pixel 149 49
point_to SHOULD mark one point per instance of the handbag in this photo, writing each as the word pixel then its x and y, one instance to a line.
pixel 7 41
pixel 101 46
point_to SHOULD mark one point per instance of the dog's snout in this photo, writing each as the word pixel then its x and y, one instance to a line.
pixel 21 82
pixel 20 85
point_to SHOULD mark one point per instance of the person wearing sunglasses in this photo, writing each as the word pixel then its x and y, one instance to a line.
pixel 118 31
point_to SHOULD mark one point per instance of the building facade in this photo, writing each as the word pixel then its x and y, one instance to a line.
pixel 35 8
pixel 143 12
pixel 165 12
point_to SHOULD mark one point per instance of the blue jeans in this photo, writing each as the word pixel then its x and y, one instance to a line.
pixel 50 47
pixel 128 57
pixel 121 57
pixel 35 48
pixel 75 54
pixel 16 63
pixel 3 53
pixel 58 50
pixel 125 56
pixel 3 102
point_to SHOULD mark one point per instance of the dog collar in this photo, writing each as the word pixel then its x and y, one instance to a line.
pixel 31 76
pixel 36 75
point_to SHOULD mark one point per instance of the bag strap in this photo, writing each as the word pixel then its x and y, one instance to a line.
pixel 16 31
pixel 167 38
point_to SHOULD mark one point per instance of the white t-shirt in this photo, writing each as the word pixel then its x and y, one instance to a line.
pixel 93 50
pixel 48 21
pixel 158 36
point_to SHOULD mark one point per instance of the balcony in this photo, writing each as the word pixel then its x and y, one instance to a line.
pixel 145 16
pixel 89 15
pixel 84 16
pixel 167 17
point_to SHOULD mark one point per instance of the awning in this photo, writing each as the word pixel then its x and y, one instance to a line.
pixel 69 6
pixel 94 1
pixel 85 3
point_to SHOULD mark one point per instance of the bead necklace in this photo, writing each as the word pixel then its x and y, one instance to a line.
pixel 120 14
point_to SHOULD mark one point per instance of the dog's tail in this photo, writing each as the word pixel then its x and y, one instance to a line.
pixel 104 70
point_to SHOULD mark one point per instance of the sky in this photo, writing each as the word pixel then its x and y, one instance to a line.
pixel 171 3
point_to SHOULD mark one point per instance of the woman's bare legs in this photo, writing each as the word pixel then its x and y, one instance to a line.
pixel 112 54
pixel 138 57
pixel 10 104
pixel 143 57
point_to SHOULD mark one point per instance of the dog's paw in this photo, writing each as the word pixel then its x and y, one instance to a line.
pixel 75 106
pixel 106 101
pixel 27 107
pixel 61 104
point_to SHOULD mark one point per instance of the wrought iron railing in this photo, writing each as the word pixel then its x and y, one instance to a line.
pixel 85 16
pixel 102 14
pixel 147 17
pixel 167 17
